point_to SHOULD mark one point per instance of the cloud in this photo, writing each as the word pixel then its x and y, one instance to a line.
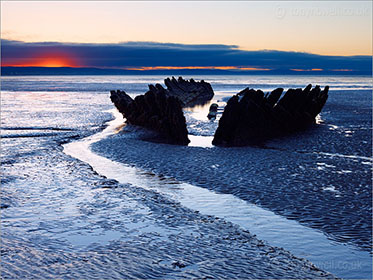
pixel 148 55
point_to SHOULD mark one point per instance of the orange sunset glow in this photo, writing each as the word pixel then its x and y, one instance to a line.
pixel 197 67
pixel 45 60
pixel 307 70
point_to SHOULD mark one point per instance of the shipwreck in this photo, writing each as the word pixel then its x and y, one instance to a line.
pixel 249 118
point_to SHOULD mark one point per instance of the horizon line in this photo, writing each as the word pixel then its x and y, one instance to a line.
pixel 66 70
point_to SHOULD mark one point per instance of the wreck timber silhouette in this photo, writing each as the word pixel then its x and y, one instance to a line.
pixel 160 109
pixel 249 118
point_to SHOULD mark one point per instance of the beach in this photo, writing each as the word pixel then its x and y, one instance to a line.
pixel 84 195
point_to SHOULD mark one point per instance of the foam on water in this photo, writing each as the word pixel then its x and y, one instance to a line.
pixel 345 156
pixel 200 141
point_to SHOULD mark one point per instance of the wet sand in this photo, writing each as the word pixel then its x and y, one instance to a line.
pixel 296 188
pixel 61 218
pixel 86 226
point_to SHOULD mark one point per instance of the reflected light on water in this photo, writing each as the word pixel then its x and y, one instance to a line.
pixel 302 241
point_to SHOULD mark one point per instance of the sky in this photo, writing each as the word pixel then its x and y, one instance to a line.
pixel 239 28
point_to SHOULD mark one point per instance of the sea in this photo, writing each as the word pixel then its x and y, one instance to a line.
pixel 85 196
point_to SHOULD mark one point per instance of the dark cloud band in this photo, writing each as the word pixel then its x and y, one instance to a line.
pixel 132 55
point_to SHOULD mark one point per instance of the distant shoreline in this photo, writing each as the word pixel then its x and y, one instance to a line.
pixel 67 71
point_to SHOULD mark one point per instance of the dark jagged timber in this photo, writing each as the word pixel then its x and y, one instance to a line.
pixel 189 92
pixel 160 109
pixel 155 111
pixel 251 117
